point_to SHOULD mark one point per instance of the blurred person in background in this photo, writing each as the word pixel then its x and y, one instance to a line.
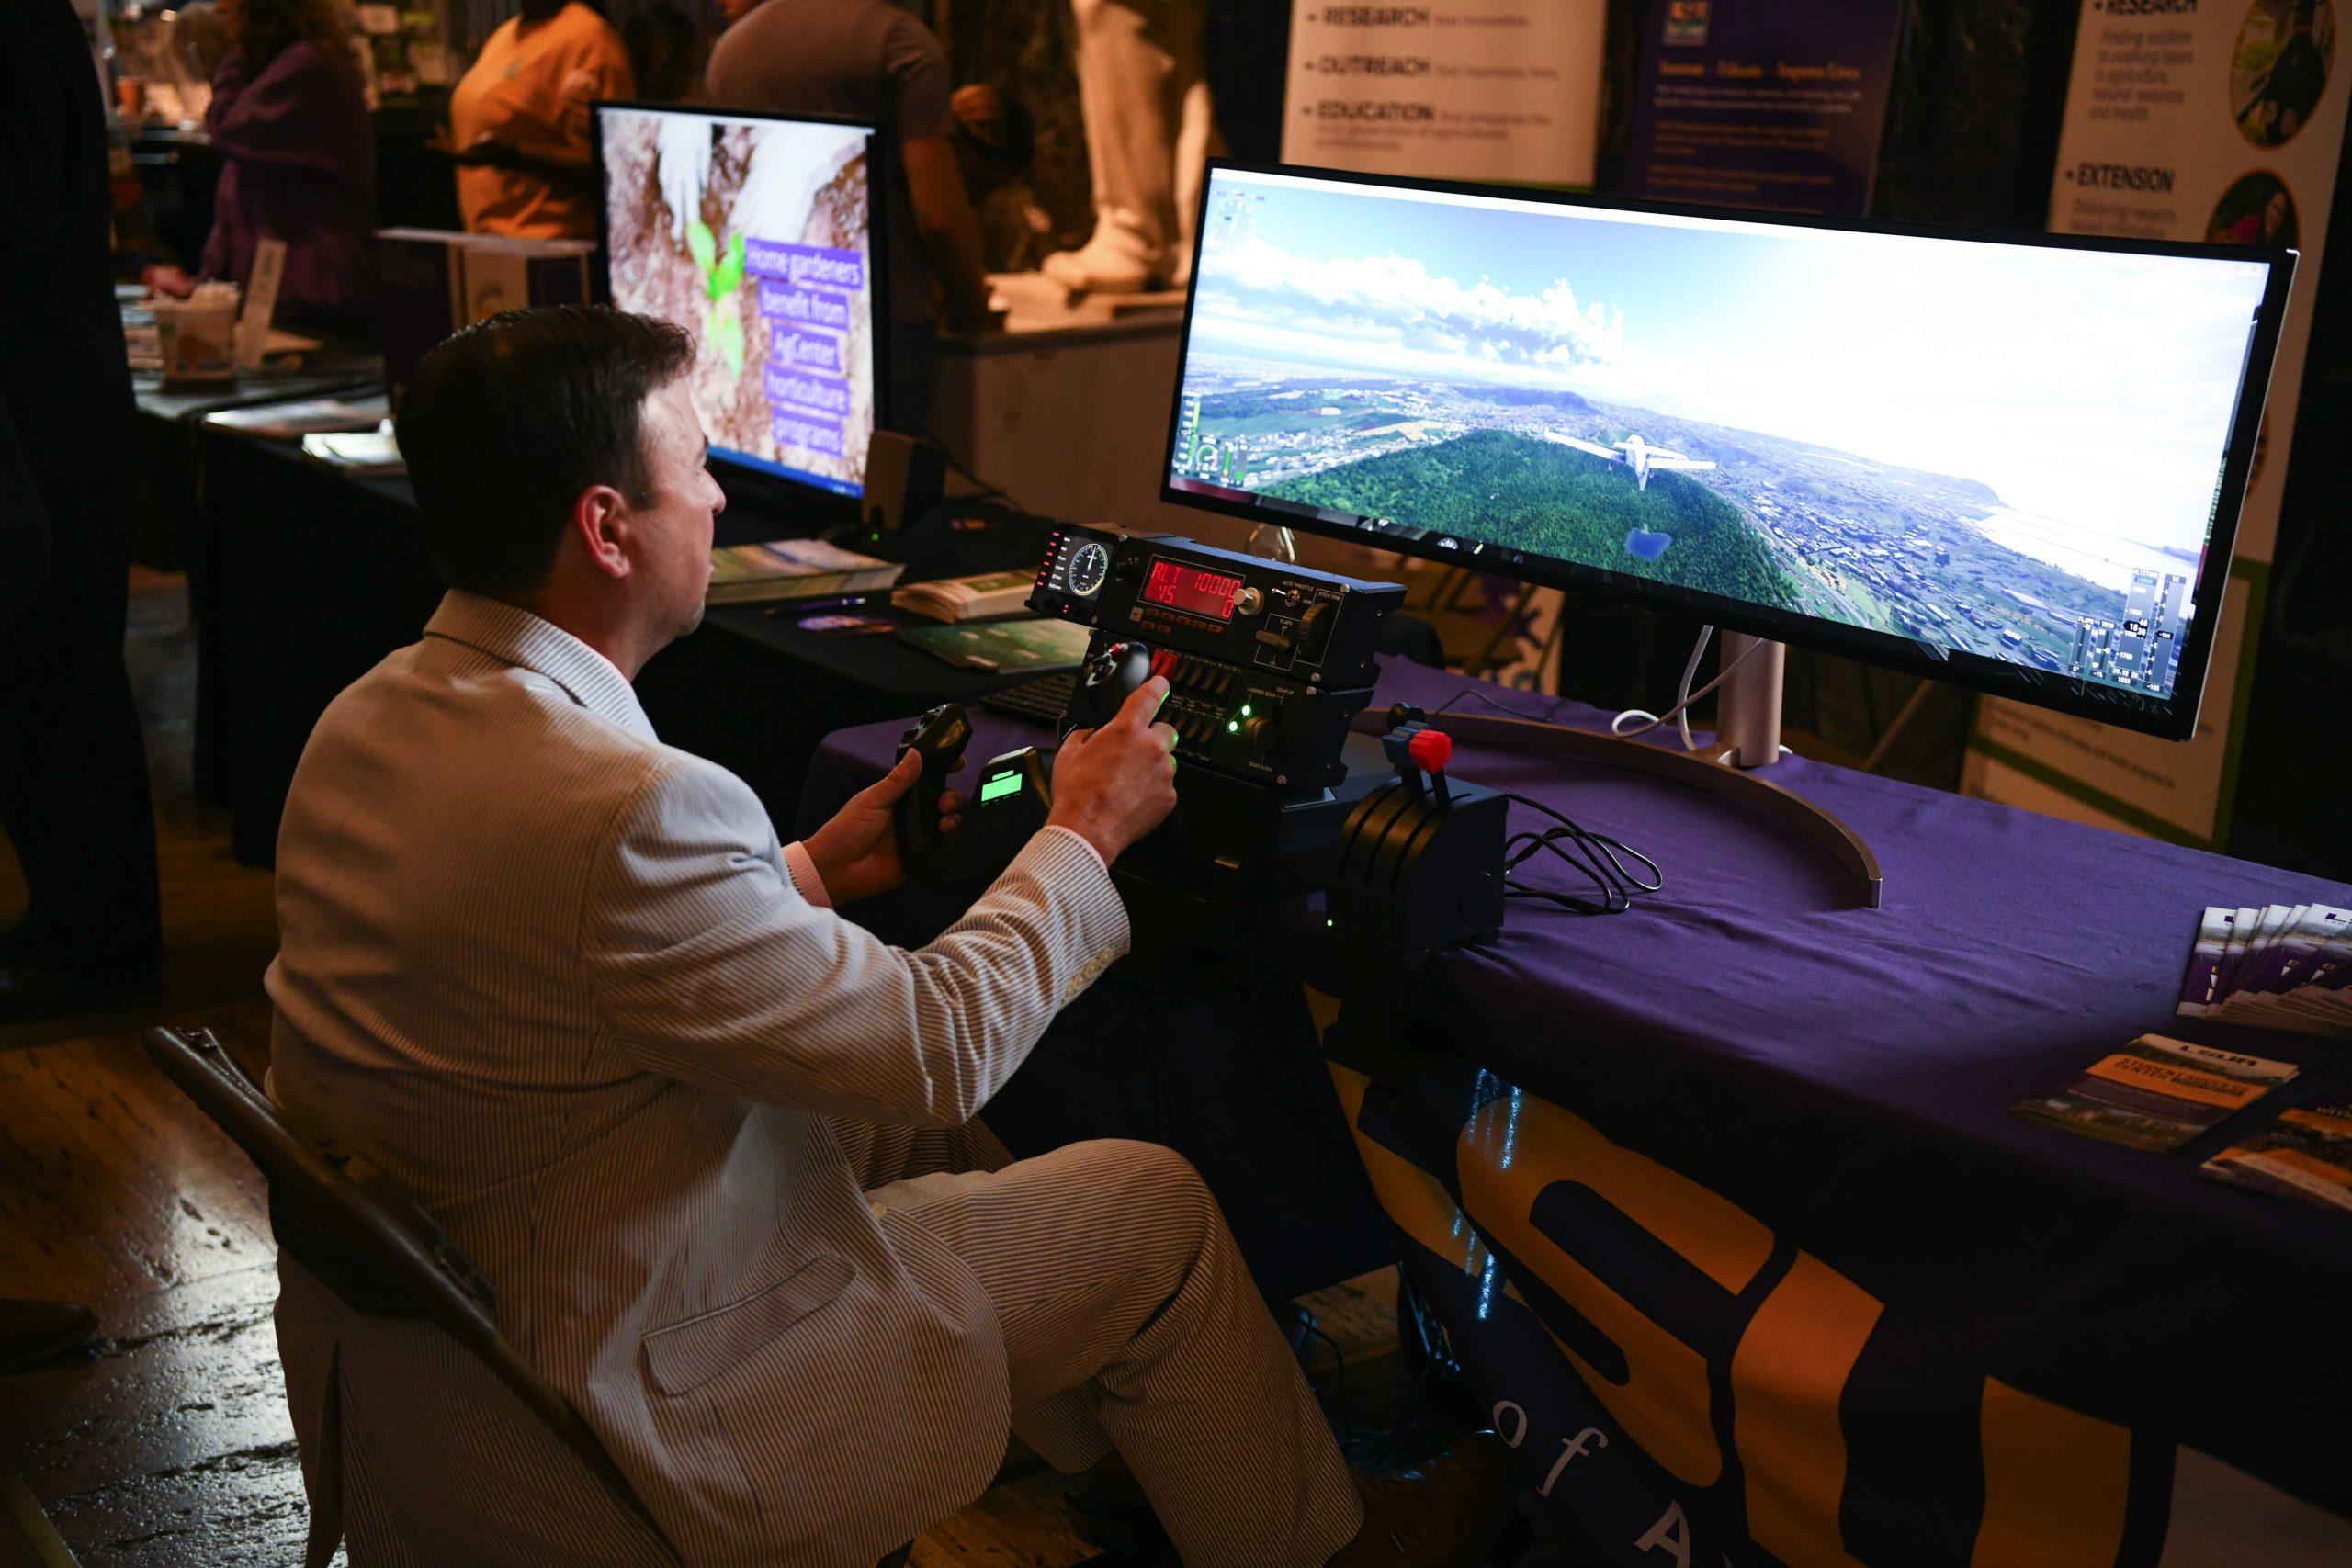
pixel 518 122
pixel 290 120
pixel 996 146
pixel 665 52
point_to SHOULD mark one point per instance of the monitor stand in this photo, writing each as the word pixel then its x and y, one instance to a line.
pixel 1748 709
pixel 1749 723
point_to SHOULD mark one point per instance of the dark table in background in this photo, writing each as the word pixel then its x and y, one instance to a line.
pixel 1734 1226
pixel 166 479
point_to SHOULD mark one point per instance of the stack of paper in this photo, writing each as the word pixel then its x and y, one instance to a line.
pixel 2283 967
pixel 973 598
pixel 795 569
pixel 358 452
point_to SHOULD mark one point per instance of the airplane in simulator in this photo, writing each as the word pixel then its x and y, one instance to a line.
pixel 1638 454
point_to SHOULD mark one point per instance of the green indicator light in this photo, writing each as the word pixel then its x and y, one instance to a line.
pixel 1245 710
pixel 1000 787
pixel 1330 922
pixel 1233 727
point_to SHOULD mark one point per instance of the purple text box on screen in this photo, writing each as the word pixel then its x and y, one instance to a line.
pixel 807 348
pixel 824 394
pixel 817 307
pixel 809 435
pixel 801 265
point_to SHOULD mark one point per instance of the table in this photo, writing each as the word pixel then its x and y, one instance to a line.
pixel 1737 1237
pixel 166 479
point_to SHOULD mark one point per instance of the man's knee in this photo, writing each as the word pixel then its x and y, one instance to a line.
pixel 1160 1186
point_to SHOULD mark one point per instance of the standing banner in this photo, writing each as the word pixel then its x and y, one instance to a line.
pixel 1501 90
pixel 1770 104
pixel 2187 120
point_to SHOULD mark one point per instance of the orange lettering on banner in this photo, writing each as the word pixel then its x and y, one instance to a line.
pixel 1517 1146
pixel 2055 1484
pixel 1785 1378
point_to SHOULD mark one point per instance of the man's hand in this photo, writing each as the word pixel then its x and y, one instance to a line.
pixel 857 852
pixel 1113 784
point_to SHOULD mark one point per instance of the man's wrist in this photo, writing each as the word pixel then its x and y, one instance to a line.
pixel 1090 847
pixel 807 874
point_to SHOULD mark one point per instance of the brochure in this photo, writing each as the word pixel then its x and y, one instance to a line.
pixel 2283 966
pixel 2304 1154
pixel 1028 646
pixel 2157 1093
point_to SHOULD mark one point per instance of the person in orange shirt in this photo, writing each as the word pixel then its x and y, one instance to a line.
pixel 518 122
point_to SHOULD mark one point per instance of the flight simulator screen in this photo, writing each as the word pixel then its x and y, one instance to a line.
pixel 754 233
pixel 2009 451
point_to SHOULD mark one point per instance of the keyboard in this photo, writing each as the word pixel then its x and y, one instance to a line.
pixel 1041 701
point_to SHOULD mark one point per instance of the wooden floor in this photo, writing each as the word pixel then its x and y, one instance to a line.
pixel 167 1444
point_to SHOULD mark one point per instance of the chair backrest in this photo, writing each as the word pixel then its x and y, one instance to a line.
pixel 367 1240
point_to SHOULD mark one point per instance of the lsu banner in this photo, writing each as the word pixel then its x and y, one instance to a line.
pixel 2219 121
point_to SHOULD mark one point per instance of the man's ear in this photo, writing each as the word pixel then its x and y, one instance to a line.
pixel 600 525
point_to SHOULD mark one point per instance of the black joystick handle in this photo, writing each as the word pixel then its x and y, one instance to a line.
pixel 941 736
pixel 1112 676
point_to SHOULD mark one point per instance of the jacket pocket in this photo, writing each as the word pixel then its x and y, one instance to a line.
pixel 686 1355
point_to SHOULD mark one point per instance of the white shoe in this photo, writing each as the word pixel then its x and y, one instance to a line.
pixel 1117 260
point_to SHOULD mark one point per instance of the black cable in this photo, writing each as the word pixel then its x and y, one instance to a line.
pixel 987 490
pixel 1592 855
pixel 1315 1330
pixel 1479 692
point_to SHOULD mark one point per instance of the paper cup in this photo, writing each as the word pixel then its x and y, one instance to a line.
pixel 199 340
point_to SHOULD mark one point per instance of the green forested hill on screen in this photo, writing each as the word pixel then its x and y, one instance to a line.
pixel 1534 495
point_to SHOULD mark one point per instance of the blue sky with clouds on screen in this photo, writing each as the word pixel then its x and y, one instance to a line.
pixel 2088 387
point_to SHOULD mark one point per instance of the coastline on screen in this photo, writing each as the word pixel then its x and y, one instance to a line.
pixel 754 235
pixel 2008 451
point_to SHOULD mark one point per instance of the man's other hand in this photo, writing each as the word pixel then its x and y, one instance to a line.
pixel 857 852
pixel 1113 784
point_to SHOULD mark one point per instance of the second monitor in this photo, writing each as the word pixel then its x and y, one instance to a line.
pixel 756 232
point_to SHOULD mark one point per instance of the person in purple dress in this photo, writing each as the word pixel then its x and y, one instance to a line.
pixel 298 159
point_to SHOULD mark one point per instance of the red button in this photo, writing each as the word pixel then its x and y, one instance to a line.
pixel 1430 749
pixel 1163 664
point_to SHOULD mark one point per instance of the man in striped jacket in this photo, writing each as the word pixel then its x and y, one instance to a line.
pixel 714 1144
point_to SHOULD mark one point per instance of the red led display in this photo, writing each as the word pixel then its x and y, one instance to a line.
pixel 1181 587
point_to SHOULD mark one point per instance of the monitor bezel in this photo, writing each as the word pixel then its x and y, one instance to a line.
pixel 2171 719
pixel 826 507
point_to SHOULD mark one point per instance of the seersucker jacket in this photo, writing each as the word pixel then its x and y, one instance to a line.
pixel 557 978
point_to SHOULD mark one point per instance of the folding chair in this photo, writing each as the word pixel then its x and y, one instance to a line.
pixel 361 1235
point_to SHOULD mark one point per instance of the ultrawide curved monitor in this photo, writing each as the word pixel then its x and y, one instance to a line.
pixel 2013 460
pixel 756 234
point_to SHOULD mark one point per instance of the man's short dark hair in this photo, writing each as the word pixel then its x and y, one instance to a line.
pixel 505 423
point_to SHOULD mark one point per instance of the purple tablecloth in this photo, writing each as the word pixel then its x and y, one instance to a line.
pixel 1842 1080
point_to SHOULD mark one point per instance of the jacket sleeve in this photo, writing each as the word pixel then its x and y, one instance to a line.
pixel 707 966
